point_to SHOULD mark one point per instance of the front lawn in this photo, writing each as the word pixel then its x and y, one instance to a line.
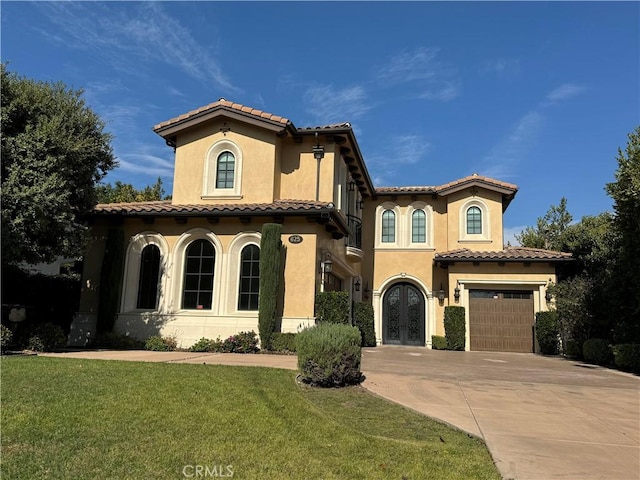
pixel 64 418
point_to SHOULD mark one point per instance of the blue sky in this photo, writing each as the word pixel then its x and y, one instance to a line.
pixel 537 94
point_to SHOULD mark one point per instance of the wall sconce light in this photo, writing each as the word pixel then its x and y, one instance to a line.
pixel 356 285
pixel 547 295
pixel 325 267
pixel 352 186
pixel 456 293
pixel 317 149
pixel 360 204
pixel 441 294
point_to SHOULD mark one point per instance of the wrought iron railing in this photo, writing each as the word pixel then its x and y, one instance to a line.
pixel 355 225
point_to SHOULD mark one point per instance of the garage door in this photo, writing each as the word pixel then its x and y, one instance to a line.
pixel 501 321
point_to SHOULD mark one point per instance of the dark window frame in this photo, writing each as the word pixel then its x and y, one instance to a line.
pixel 249 278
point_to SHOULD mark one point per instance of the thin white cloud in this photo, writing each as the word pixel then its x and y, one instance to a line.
pixel 328 104
pixel 501 66
pixel 430 78
pixel 401 150
pixel 565 91
pixel 503 159
pixel 150 165
pixel 510 233
pixel 143 30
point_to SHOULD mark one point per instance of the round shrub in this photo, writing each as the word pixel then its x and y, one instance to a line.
pixel 202 345
pixel 6 336
pixel 596 351
pixel 438 342
pixel 329 355
pixel 160 344
pixel 627 357
pixel 46 337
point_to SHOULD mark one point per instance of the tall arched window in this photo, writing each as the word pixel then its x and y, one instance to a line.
pixel 148 280
pixel 249 278
pixel 388 226
pixel 225 170
pixel 418 227
pixel 198 275
pixel 474 221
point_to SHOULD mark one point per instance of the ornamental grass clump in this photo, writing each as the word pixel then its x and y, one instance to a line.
pixel 329 355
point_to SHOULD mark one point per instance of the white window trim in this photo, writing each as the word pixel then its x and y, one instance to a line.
pixel 133 256
pixel 234 260
pixel 209 190
pixel 379 244
pixel 428 211
pixel 485 236
pixel 179 251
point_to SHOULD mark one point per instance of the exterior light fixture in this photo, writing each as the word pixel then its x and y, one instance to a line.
pixel 456 293
pixel 547 295
pixel 356 285
pixel 325 267
pixel 352 186
pixel 441 294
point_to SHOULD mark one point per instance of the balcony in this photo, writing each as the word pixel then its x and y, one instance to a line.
pixel 354 241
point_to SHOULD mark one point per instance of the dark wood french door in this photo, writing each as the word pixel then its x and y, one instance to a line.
pixel 403 320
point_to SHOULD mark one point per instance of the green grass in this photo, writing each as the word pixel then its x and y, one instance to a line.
pixel 77 419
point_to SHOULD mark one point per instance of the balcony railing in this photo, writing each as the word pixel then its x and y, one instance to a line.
pixel 355 225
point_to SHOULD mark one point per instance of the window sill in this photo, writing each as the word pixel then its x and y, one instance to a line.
pixel 231 196
pixel 475 240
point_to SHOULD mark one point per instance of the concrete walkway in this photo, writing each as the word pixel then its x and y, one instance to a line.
pixel 542 418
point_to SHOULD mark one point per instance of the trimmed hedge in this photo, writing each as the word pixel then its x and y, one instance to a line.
pixel 333 307
pixel 438 342
pixel 454 327
pixel 363 319
pixel 596 351
pixel 283 342
pixel 547 332
pixel 626 356
pixel 329 355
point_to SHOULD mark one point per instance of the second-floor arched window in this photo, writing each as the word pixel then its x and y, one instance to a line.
pixel 474 221
pixel 388 226
pixel 418 227
pixel 225 170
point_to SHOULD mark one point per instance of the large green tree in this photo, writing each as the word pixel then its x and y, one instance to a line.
pixel 126 192
pixel 54 152
pixel 625 192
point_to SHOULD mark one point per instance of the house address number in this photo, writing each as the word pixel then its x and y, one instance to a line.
pixel 295 239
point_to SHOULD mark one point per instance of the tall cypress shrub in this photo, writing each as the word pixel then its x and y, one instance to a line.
pixel 270 254
pixel 110 280
pixel 454 328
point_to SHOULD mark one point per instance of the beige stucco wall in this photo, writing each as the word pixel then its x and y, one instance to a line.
pixel 457 204
pixel 259 149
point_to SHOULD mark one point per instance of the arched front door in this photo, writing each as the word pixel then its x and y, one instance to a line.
pixel 403 315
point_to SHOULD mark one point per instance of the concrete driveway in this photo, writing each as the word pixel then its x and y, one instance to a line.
pixel 541 417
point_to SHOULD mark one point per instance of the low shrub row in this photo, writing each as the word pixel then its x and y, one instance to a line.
pixel 438 342
pixel 41 337
pixel 158 343
pixel 243 342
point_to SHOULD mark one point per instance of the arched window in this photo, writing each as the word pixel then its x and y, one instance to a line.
pixel 474 221
pixel 249 278
pixel 148 280
pixel 225 170
pixel 198 276
pixel 418 227
pixel 388 226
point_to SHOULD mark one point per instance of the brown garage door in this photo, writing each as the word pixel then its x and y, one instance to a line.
pixel 501 321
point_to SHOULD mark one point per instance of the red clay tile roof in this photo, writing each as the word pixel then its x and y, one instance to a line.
pixel 475 178
pixel 509 254
pixel 223 103
pixel 165 207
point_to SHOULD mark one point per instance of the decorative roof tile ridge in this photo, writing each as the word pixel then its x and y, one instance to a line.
pixel 222 102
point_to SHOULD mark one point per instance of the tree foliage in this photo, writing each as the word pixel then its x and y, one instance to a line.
pixel 549 229
pixel 625 192
pixel 54 151
pixel 126 192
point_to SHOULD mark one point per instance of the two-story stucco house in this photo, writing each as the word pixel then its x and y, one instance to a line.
pixel 191 263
